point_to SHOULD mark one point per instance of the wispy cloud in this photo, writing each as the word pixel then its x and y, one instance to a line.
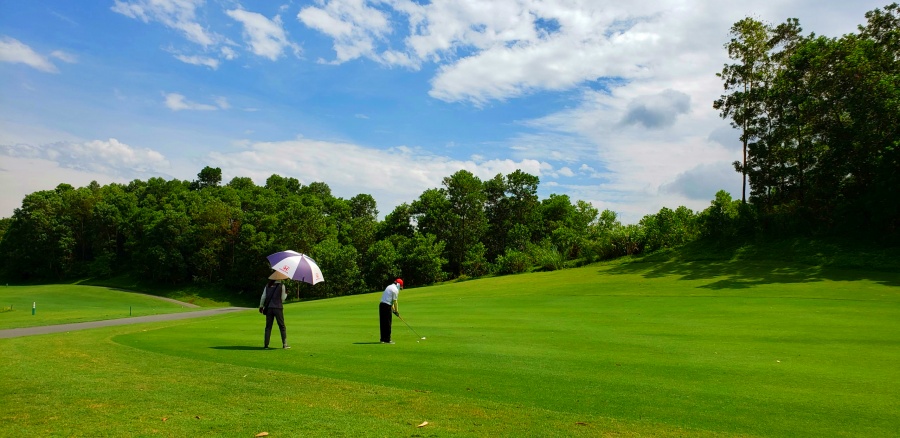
pixel 177 102
pixel 199 60
pixel 64 57
pixel 14 51
pixel 179 15
pixel 265 37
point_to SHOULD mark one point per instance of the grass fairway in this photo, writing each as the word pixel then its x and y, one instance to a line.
pixel 64 304
pixel 658 348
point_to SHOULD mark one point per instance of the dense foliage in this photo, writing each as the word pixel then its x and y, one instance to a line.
pixel 820 123
pixel 819 120
pixel 178 232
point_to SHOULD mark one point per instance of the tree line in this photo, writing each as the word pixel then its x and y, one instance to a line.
pixel 178 232
pixel 818 117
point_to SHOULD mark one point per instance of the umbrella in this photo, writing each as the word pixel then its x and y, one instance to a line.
pixel 296 266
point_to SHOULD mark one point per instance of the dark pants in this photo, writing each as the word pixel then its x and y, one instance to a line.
pixel 277 315
pixel 384 316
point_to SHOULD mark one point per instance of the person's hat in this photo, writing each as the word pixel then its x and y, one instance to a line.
pixel 400 282
pixel 278 276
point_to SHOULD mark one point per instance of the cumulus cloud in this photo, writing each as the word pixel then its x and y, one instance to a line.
pixel 177 102
pixel 356 28
pixel 392 176
pixel 266 38
pixel 14 51
pixel 109 157
pixel 702 182
pixel 657 111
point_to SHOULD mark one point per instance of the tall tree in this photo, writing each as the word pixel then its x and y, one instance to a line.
pixel 745 80
pixel 468 223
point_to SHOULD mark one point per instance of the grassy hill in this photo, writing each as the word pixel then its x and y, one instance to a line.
pixel 705 341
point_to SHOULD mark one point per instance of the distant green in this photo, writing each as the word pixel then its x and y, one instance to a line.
pixel 64 304
pixel 664 346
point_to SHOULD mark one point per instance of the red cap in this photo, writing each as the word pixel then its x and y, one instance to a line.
pixel 400 282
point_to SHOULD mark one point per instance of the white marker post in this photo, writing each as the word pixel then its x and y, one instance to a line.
pixel 33 307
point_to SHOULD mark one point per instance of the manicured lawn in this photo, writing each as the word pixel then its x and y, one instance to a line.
pixel 657 348
pixel 63 304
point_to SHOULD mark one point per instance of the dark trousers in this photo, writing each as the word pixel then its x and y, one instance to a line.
pixel 277 315
pixel 384 316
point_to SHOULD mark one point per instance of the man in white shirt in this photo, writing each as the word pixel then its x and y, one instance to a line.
pixel 387 306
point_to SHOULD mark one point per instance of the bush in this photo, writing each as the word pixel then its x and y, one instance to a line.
pixel 547 257
pixel 513 262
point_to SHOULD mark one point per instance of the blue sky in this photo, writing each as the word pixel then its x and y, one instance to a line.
pixel 608 102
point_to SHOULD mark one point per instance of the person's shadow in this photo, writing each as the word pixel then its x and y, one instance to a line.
pixel 237 347
pixel 367 343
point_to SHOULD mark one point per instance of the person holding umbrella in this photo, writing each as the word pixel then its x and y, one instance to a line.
pixel 387 306
pixel 271 303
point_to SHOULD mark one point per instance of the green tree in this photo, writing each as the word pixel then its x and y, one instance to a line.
pixel 746 81
pixel 467 221
pixel 382 264
pixel 421 260
pixel 338 265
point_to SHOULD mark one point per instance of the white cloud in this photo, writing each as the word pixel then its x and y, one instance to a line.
pixel 266 38
pixel 14 51
pixel 108 157
pixel 20 177
pixel 356 28
pixel 199 60
pixel 391 176
pixel 177 102
pixel 176 14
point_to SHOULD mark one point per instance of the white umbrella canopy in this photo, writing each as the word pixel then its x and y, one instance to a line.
pixel 296 266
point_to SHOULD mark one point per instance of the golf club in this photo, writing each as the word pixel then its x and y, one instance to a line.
pixel 407 324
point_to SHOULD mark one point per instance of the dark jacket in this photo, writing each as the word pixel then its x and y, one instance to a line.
pixel 273 296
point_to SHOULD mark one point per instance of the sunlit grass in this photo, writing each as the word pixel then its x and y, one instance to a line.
pixel 656 348
pixel 31 306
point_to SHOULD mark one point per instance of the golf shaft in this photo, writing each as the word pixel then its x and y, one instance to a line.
pixel 407 324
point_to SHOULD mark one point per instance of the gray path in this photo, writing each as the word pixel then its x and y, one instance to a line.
pixel 43 330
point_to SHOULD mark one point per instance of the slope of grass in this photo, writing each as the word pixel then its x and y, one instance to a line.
pixel 669 345
pixel 63 304
pixel 200 294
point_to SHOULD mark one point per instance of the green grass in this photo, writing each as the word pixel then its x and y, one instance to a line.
pixel 201 294
pixel 678 344
pixel 63 304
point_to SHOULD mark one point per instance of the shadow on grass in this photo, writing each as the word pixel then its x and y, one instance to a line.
pixel 237 347
pixel 367 343
pixel 790 261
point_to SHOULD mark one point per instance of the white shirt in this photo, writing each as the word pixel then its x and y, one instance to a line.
pixel 391 293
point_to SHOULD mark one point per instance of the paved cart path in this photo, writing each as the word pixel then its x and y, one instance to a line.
pixel 46 329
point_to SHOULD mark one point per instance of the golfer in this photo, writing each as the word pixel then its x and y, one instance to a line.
pixel 387 306
pixel 271 303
